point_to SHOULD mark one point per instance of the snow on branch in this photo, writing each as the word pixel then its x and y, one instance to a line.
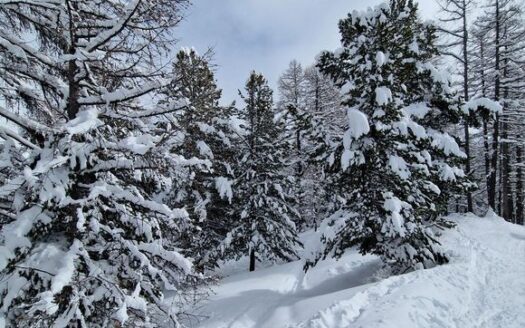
pixel 21 49
pixel 172 108
pixel 358 123
pixel 115 192
pixel 118 26
pixel 474 105
pixel 26 123
pixel 119 95
pixel 156 249
pixel 8 133
pixel 84 121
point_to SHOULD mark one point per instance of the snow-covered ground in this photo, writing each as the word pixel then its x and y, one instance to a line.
pixel 483 286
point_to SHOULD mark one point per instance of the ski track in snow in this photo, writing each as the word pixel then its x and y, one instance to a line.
pixel 495 269
pixel 482 287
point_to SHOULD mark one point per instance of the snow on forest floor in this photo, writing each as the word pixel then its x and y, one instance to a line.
pixel 483 286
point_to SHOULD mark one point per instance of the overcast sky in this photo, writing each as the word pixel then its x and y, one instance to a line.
pixel 266 34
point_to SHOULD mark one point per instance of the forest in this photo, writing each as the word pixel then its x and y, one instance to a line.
pixel 129 187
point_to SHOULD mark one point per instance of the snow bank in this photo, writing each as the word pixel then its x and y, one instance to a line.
pixel 483 286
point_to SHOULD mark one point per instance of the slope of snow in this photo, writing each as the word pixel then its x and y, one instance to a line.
pixel 483 286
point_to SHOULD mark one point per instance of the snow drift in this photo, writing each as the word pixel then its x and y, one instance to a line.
pixel 483 286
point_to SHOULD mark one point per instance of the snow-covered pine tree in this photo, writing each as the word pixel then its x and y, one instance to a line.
pixel 85 240
pixel 264 206
pixel 390 160
pixel 208 133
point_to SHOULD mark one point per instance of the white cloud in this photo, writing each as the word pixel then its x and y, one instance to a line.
pixel 266 34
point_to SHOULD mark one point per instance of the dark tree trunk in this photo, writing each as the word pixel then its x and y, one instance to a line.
pixel 519 184
pixel 486 145
pixel 506 203
pixel 73 106
pixel 470 207
pixel 493 165
pixel 487 159
pixel 299 150
pixel 495 140
pixel 506 190
pixel 252 260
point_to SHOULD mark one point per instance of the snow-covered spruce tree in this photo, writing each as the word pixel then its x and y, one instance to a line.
pixel 85 240
pixel 207 134
pixel 395 160
pixel 264 207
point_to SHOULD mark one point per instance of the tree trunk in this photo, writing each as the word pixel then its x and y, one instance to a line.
pixel 73 107
pixel 470 207
pixel 488 168
pixel 506 204
pixel 252 260
pixel 494 165
pixel 506 192
pixel 495 140
pixel 499 182
pixel 486 145
pixel 519 184
pixel 299 151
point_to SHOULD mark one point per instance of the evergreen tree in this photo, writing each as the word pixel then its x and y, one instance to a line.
pixel 207 133
pixel 395 159
pixel 85 238
pixel 264 207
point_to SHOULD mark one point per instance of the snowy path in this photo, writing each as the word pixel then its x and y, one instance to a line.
pixel 496 291
pixel 483 287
